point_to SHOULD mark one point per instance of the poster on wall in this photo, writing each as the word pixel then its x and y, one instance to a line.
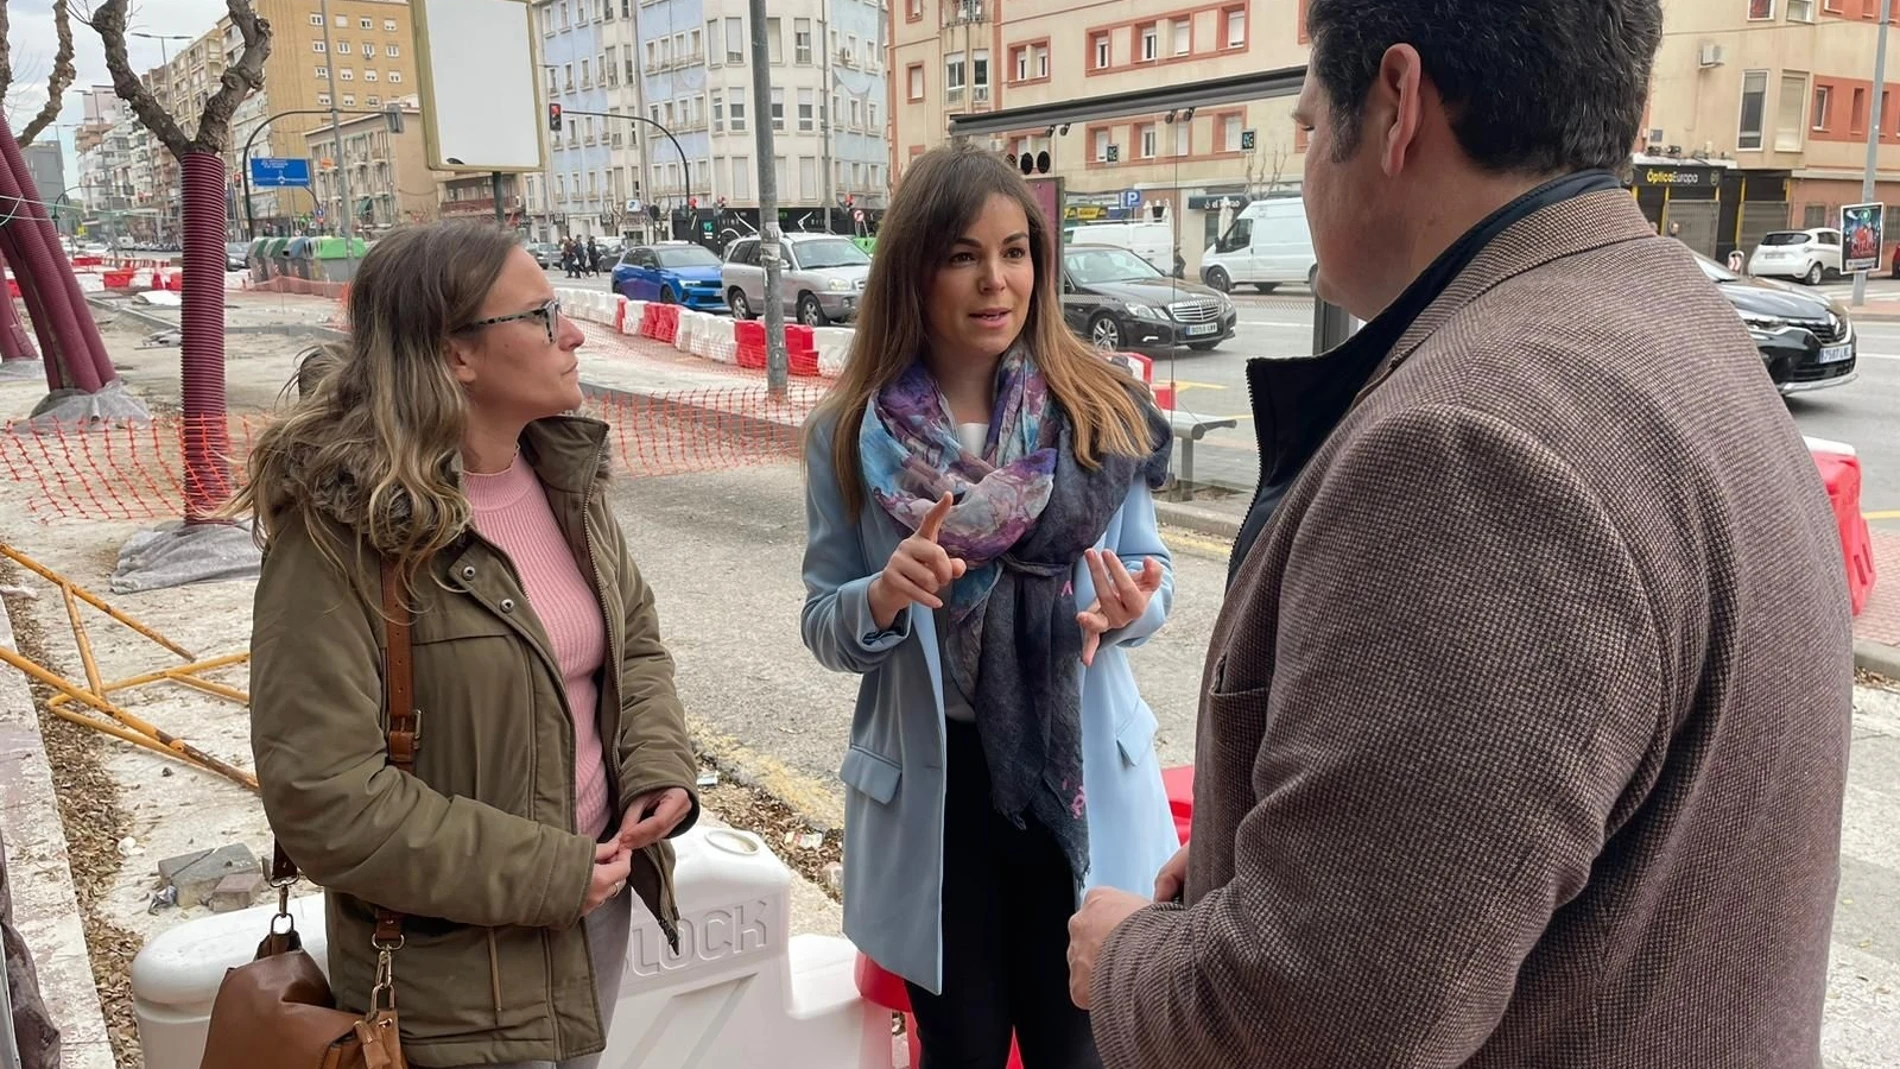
pixel 1861 237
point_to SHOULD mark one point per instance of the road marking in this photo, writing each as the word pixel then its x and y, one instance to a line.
pixel 1276 323
pixel 1879 356
pixel 1177 537
pixel 1183 384
pixel 1890 514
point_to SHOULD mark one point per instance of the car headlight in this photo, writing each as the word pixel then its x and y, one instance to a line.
pixel 1142 311
pixel 839 285
pixel 1762 322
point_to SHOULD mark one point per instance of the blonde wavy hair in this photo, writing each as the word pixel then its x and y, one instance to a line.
pixel 942 193
pixel 373 443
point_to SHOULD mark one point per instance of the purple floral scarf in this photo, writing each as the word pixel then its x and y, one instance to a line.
pixel 1025 512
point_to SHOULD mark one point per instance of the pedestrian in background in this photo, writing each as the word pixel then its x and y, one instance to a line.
pixel 552 757
pixel 1524 732
pixel 981 548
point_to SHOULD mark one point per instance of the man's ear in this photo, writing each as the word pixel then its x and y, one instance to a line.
pixel 1399 92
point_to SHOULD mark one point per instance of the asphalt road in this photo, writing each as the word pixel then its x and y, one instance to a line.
pixel 1280 326
pixel 1864 413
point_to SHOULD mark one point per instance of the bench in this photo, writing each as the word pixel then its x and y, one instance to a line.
pixel 1190 428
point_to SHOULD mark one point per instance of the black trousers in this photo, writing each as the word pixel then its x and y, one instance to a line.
pixel 1007 898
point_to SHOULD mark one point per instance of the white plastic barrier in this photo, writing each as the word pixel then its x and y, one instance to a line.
pixel 689 324
pixel 834 345
pixel 636 311
pixel 742 992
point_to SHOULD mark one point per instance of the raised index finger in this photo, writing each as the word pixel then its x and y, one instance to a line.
pixel 933 520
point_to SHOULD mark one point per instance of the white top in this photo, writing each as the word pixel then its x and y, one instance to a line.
pixel 973 436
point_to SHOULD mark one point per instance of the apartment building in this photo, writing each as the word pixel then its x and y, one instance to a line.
pixel 1759 118
pixel 391 182
pixel 367 53
pixel 654 68
pixel 373 52
pixel 952 57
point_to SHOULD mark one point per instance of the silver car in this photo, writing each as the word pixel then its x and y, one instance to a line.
pixel 821 278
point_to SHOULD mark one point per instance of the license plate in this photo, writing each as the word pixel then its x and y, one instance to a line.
pixel 1834 354
pixel 1202 328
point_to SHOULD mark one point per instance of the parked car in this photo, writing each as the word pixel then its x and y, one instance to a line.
pixel 821 278
pixel 1117 301
pixel 1809 255
pixel 545 253
pixel 671 272
pixel 237 255
pixel 1806 340
pixel 1268 245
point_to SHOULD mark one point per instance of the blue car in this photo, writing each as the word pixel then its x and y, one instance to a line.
pixel 672 272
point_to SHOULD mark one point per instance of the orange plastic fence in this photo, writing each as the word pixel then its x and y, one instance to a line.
pixel 136 473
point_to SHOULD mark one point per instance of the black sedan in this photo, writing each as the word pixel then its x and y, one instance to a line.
pixel 1805 339
pixel 1118 301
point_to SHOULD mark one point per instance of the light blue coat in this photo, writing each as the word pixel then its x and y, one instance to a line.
pixel 894 769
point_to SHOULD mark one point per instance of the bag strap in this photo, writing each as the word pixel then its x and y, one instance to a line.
pixel 401 741
pixel 405 720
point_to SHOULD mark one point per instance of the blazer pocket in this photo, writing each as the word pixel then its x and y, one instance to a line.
pixel 870 773
pixel 1135 736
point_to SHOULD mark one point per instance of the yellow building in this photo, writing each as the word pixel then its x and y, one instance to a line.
pixel 951 57
pixel 370 44
pixel 1759 111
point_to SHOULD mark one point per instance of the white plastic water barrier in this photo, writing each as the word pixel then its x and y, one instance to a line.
pixel 742 992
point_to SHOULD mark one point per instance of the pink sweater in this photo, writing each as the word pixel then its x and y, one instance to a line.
pixel 511 510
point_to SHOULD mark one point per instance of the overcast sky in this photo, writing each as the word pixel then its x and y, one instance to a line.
pixel 33 43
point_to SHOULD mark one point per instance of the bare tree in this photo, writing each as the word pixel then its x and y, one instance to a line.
pixel 239 80
pixel 201 160
pixel 62 77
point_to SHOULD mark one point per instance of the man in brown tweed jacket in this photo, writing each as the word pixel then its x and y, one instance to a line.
pixel 1524 729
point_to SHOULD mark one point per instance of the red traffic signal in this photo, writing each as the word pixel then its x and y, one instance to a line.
pixel 554 117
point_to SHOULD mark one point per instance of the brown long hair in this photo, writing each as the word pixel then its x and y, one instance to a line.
pixel 944 190
pixel 374 439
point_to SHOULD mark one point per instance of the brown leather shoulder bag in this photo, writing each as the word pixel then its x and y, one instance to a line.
pixel 278 1009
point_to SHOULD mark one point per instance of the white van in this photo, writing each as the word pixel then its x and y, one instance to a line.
pixel 1153 242
pixel 1267 245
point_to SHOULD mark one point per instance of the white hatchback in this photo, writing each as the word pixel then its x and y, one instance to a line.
pixel 1809 255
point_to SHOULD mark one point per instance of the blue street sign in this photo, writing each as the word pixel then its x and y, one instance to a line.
pixel 1131 198
pixel 280 171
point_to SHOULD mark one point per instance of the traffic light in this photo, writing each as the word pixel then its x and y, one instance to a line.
pixel 1030 165
pixel 554 117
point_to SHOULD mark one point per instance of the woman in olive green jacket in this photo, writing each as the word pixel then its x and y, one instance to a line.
pixel 553 760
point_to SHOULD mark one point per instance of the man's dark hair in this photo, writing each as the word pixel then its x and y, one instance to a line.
pixel 1532 86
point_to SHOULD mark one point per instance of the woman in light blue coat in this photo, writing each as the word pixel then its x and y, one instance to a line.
pixel 981 547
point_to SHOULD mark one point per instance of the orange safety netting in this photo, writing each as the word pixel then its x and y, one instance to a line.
pixel 137 472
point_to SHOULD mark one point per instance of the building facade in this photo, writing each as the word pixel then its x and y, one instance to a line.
pixel 391 182
pixel 373 42
pixel 951 57
pixel 1759 119
pixel 674 151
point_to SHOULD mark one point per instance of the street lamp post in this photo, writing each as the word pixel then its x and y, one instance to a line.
pixel 165 61
pixel 346 209
pixel 685 164
pixel 1873 137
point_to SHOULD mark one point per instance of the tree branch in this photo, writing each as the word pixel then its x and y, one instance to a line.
pixel 62 78
pixel 239 80
pixel 109 21
pixel 6 54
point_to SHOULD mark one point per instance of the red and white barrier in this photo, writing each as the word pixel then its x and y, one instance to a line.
pixel 1840 473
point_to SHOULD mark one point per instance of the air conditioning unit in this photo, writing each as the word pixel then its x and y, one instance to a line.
pixel 846 59
pixel 1710 55
pixel 980 94
pixel 1655 136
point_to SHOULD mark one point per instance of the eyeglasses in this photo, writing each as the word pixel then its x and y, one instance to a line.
pixel 549 313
